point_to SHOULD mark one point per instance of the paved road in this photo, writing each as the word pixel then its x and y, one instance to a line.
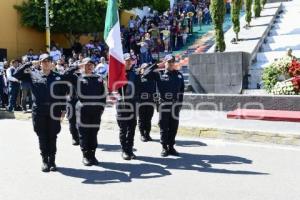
pixel 207 169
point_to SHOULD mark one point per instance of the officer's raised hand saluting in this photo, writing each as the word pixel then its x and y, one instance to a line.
pixel 46 108
pixel 170 84
pixel 91 100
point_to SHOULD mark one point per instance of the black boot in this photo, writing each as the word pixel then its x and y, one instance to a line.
pixel 93 158
pixel 172 151
pixel 131 154
pixel 149 138
pixel 86 159
pixel 126 155
pixel 164 152
pixel 143 136
pixel 45 165
pixel 52 164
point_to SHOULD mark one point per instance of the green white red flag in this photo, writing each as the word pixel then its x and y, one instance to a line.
pixel 112 37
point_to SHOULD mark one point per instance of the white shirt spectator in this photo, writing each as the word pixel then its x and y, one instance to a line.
pixel 55 54
pixel 10 75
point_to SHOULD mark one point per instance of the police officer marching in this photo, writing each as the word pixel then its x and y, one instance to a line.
pixel 72 101
pixel 46 109
pixel 126 109
pixel 91 102
pixel 146 106
pixel 170 84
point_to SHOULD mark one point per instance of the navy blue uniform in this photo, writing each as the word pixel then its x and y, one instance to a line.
pixel 72 101
pixel 126 110
pixel 170 86
pixel 89 107
pixel 45 114
pixel 146 106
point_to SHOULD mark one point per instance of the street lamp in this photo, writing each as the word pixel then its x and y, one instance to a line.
pixel 47 26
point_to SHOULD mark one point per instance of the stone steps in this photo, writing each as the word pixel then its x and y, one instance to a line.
pixel 279 47
pixel 267 57
pixel 283 39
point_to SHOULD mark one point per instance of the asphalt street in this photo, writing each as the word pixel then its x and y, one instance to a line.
pixel 206 169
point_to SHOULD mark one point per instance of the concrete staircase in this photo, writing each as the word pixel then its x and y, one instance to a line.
pixel 284 34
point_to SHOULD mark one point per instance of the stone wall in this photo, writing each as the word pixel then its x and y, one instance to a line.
pixel 220 73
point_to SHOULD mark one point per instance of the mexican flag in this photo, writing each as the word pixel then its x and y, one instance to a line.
pixel 112 36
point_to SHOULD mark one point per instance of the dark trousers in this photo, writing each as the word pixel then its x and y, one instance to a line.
pixel 88 124
pixel 168 123
pixel 26 92
pixel 146 111
pixel 13 91
pixel 46 129
pixel 72 121
pixel 126 118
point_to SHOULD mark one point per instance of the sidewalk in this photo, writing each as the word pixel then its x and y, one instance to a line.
pixel 214 124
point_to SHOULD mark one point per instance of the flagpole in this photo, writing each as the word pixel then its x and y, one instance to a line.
pixel 123 98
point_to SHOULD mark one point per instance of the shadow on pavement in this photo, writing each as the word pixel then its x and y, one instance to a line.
pixel 111 147
pixel 95 176
pixel 137 171
pixel 190 143
pixel 186 143
pixel 202 163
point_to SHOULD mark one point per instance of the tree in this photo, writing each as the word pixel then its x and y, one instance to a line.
pixel 236 6
pixel 257 8
pixel 159 5
pixel 263 2
pixel 71 18
pixel 129 4
pixel 248 5
pixel 218 11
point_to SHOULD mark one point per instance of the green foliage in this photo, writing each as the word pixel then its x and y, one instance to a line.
pixel 248 5
pixel 159 5
pixel 236 6
pixel 128 4
pixel 276 71
pixel 73 17
pixel 263 2
pixel 270 77
pixel 218 11
pixel 257 8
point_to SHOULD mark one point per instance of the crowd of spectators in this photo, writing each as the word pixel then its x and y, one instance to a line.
pixel 165 32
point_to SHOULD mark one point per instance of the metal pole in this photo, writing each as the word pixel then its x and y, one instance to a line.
pixel 47 26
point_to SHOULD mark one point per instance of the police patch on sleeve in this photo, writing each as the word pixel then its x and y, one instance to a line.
pixel 180 76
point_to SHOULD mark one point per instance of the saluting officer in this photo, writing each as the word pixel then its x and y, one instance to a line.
pixel 126 109
pixel 91 102
pixel 45 113
pixel 170 84
pixel 146 106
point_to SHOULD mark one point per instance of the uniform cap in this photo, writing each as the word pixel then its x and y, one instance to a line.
pixel 144 65
pixel 127 56
pixel 86 61
pixel 45 56
pixel 169 57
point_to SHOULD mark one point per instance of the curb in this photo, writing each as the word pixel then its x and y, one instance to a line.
pixel 210 133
